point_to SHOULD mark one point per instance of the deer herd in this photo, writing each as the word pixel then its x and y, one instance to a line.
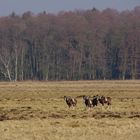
pixel 89 102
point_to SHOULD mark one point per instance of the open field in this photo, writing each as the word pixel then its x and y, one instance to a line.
pixel 37 111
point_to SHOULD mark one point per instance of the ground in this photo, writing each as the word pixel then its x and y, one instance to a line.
pixel 37 111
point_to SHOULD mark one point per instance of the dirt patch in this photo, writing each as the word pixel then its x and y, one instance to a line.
pixel 27 113
pixel 21 113
pixel 3 117
pixel 56 116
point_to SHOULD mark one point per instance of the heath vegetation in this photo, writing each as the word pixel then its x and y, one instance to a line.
pixel 38 111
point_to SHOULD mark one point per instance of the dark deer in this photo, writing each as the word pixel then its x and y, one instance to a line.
pixel 87 101
pixel 105 100
pixel 71 102
pixel 95 100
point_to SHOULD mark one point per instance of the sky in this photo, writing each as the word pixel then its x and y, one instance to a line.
pixel 55 6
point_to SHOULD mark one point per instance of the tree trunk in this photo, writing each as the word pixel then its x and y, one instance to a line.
pixel 6 67
pixel 16 63
pixel 8 73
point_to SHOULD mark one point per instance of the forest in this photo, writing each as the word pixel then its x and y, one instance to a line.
pixel 70 45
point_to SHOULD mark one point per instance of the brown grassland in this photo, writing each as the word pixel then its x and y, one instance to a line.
pixel 37 111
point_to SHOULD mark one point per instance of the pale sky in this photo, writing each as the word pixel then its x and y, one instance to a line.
pixel 54 6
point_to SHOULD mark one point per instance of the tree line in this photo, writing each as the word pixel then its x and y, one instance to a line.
pixel 75 45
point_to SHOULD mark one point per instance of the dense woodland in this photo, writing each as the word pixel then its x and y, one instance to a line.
pixel 74 45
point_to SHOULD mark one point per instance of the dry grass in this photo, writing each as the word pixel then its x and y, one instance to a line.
pixel 37 111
